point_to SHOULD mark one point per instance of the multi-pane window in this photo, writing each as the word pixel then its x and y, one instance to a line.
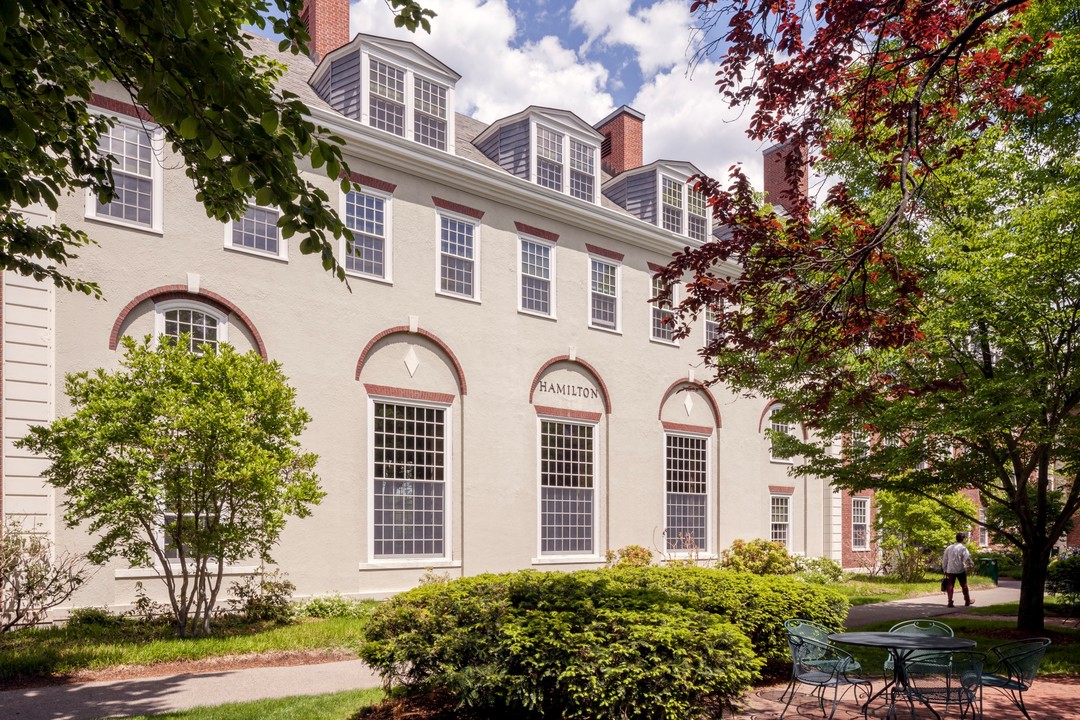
pixel 582 170
pixel 365 215
pixel 429 118
pixel 780 519
pixel 536 272
pixel 777 426
pixel 697 217
pixel 258 231
pixel 202 327
pixel 686 492
pixel 671 201
pixel 457 259
pixel 663 317
pixel 177 532
pixel 860 523
pixel 549 158
pixel 983 533
pixel 858 445
pixel 133 173
pixel 712 325
pixel 409 493
pixel 387 97
pixel 604 284
pixel 567 501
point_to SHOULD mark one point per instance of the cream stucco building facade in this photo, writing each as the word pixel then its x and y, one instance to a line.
pixel 493 391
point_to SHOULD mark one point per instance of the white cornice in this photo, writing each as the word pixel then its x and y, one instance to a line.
pixel 499 186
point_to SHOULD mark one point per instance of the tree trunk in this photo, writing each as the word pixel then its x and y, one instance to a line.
pixel 1033 566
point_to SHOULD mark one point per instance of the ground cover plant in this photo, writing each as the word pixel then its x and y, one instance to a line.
pixel 865 589
pixel 627 642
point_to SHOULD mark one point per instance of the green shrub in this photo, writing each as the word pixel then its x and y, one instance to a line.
pixel 100 617
pixel 630 556
pixel 760 557
pixel 333 606
pixel 820 570
pixel 1063 576
pixel 628 642
pixel 263 596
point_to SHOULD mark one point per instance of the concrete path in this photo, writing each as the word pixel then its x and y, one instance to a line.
pixel 147 696
pixel 93 700
pixel 931 605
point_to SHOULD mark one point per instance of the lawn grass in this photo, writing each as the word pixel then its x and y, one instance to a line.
pixel 335 706
pixel 864 590
pixel 41 652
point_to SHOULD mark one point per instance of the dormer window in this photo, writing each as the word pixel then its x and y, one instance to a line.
pixel 696 220
pixel 672 201
pixel 697 215
pixel 551 169
pixel 393 86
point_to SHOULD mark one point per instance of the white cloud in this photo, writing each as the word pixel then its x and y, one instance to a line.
pixel 659 34
pixel 685 119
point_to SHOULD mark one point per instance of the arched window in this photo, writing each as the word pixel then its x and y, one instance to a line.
pixel 204 325
pixel 778 425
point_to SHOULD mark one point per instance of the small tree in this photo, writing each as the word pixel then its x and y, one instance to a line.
pixel 182 461
pixel 911 531
pixel 33 578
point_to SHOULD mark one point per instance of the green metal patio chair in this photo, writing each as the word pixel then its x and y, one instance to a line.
pixel 823 666
pixel 958 683
pixel 1014 669
pixel 921 661
pixel 819 634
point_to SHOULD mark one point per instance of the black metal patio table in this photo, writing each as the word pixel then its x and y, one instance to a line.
pixel 901 646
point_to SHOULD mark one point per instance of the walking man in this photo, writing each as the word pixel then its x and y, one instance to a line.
pixel 955 563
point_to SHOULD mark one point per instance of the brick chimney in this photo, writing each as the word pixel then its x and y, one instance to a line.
pixel 779 189
pixel 621 148
pixel 328 25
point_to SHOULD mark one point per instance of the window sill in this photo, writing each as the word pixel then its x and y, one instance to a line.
pixel 614 331
pixel 463 298
pixel 154 572
pixel 569 560
pixel 666 343
pixel 257 253
pixel 538 315
pixel 369 278
pixel 105 220
pixel 410 564
pixel 777 461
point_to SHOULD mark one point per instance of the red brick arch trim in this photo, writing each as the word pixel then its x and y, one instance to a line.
pixel 582 363
pixel 765 414
pixel 697 386
pixel 180 292
pixel 463 387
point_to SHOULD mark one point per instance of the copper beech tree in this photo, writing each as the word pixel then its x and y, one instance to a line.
pixel 925 314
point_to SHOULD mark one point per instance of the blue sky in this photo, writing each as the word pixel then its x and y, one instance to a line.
pixel 586 56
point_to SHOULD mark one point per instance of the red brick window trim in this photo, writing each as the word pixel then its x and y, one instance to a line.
pixel 683 428
pixel 536 232
pixel 782 489
pixel 407 394
pixel 457 208
pixel 119 107
pixel 656 268
pixel 604 252
pixel 374 183
pixel 571 414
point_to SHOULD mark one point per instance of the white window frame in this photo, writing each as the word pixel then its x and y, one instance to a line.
pixel 656 315
pixel 786 498
pixel 982 530
pixel 597 498
pixel 567 134
pixel 707 548
pixel 707 323
pixel 163 307
pixel 618 292
pixel 864 504
pixel 411 73
pixel 283 249
pixel 448 486
pixel 157 195
pixel 457 217
pixel 388 235
pixel 776 426
pixel 523 238
pixel 687 189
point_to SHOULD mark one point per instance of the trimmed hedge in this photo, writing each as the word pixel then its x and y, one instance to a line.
pixel 648 642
